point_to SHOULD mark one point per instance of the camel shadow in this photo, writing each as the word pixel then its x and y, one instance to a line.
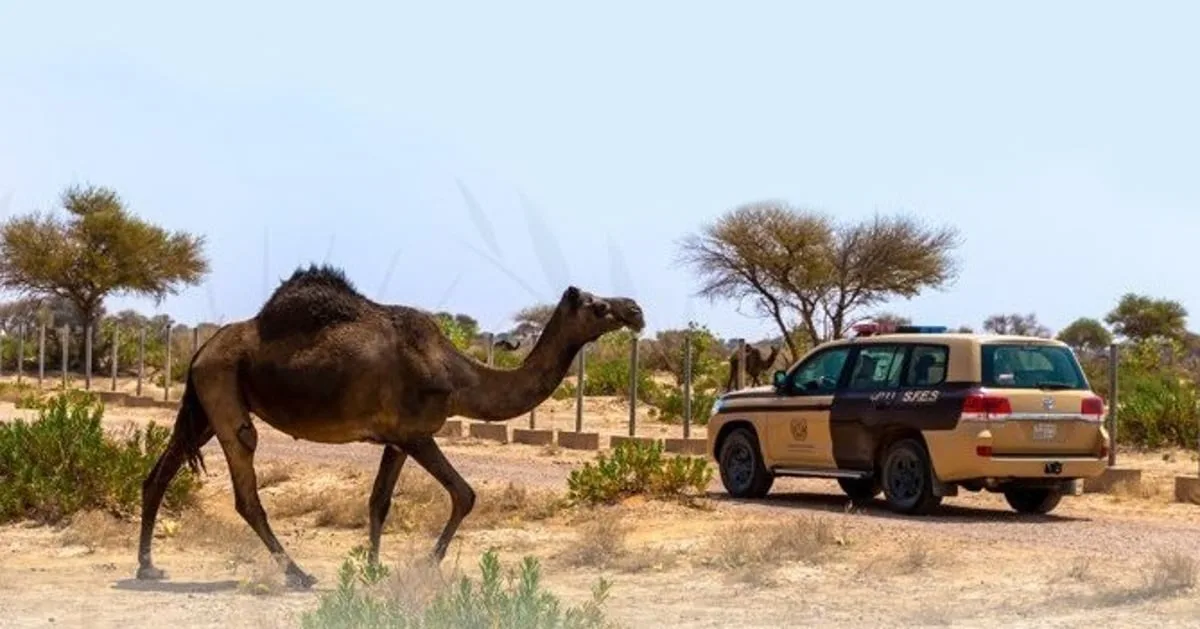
pixel 176 587
pixel 877 508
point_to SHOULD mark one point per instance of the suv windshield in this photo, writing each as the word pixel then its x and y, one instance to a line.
pixel 1031 367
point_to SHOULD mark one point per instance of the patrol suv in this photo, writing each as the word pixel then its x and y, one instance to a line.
pixel 915 412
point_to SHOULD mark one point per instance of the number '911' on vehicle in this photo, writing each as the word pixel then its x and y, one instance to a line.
pixel 916 413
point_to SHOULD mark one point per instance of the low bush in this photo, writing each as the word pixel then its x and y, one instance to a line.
pixel 362 600
pixel 637 468
pixel 63 462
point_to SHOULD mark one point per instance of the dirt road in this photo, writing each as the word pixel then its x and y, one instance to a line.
pixel 1093 561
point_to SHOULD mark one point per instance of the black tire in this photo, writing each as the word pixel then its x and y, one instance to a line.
pixel 907 478
pixel 1037 500
pixel 860 490
pixel 741 464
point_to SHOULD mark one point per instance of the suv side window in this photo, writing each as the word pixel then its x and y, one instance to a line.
pixel 821 373
pixel 927 366
pixel 877 367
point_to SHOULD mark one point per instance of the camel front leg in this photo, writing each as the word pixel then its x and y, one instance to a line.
pixel 390 465
pixel 462 498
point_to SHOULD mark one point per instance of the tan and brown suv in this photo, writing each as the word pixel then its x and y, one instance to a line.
pixel 917 413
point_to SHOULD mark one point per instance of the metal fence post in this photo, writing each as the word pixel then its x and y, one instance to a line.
pixel 87 357
pixel 491 349
pixel 633 375
pixel 41 354
pixel 141 357
pixel 741 375
pixel 116 338
pixel 579 391
pixel 66 331
pixel 1113 361
pixel 167 374
pixel 20 353
pixel 687 382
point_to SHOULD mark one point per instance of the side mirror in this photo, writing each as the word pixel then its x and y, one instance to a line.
pixel 778 379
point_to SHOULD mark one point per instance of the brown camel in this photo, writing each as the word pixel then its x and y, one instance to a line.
pixel 323 363
pixel 756 364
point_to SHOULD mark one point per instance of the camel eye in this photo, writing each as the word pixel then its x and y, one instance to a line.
pixel 600 308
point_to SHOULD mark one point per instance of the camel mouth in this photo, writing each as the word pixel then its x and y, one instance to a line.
pixel 628 313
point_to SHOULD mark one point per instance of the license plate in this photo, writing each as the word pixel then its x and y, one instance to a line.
pixel 1045 432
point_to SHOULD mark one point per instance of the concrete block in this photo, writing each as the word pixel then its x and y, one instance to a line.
pixel 578 440
pixel 533 437
pixel 492 432
pixel 1187 489
pixel 617 440
pixel 452 428
pixel 139 401
pixel 112 398
pixel 1112 477
pixel 686 446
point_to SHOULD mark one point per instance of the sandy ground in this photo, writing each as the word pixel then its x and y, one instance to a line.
pixel 801 557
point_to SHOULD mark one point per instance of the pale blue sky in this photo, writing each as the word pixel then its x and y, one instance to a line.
pixel 1061 138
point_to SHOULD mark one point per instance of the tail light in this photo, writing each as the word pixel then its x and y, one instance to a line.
pixel 1093 408
pixel 982 405
pixel 983 451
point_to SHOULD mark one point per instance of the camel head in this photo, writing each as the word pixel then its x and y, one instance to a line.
pixel 585 317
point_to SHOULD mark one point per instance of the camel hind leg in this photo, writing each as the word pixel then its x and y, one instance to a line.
pixel 192 431
pixel 239 439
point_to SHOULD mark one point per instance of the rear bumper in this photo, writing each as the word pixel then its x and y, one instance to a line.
pixel 955 459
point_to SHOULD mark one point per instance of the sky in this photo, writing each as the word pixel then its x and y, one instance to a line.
pixel 1059 138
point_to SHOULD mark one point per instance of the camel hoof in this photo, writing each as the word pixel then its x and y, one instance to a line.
pixel 300 580
pixel 150 573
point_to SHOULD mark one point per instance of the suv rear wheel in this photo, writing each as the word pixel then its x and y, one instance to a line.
pixel 742 470
pixel 908 478
pixel 1032 499
pixel 860 489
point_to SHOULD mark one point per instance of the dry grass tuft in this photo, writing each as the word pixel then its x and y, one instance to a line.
pixel 1080 569
pixel 917 556
pixel 99 529
pixel 274 473
pixel 1140 489
pixel 749 550
pixel 262 577
pixel 1173 572
pixel 599 543
pixel 235 538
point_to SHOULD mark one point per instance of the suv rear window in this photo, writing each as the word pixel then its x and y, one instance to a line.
pixel 1017 366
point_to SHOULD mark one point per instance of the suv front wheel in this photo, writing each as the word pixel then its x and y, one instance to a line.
pixel 907 478
pixel 742 471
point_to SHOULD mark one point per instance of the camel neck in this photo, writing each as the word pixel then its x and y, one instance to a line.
pixel 503 394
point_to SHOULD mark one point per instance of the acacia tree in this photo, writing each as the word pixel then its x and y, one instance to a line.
pixel 801 269
pixel 1139 317
pixel 1086 334
pixel 99 249
pixel 1016 323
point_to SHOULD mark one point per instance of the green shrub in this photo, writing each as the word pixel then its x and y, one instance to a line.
pixel 360 602
pixel 638 468
pixel 669 402
pixel 63 462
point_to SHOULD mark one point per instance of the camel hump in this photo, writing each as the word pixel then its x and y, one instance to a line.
pixel 310 300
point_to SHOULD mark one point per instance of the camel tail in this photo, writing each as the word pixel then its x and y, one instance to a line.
pixel 192 426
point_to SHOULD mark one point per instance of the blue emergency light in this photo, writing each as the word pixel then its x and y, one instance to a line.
pixel 920 329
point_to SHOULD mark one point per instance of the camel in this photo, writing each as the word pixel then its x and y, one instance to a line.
pixel 323 363
pixel 756 364
pixel 508 344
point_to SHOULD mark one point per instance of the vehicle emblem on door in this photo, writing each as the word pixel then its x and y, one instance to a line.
pixel 799 429
pixel 1047 403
